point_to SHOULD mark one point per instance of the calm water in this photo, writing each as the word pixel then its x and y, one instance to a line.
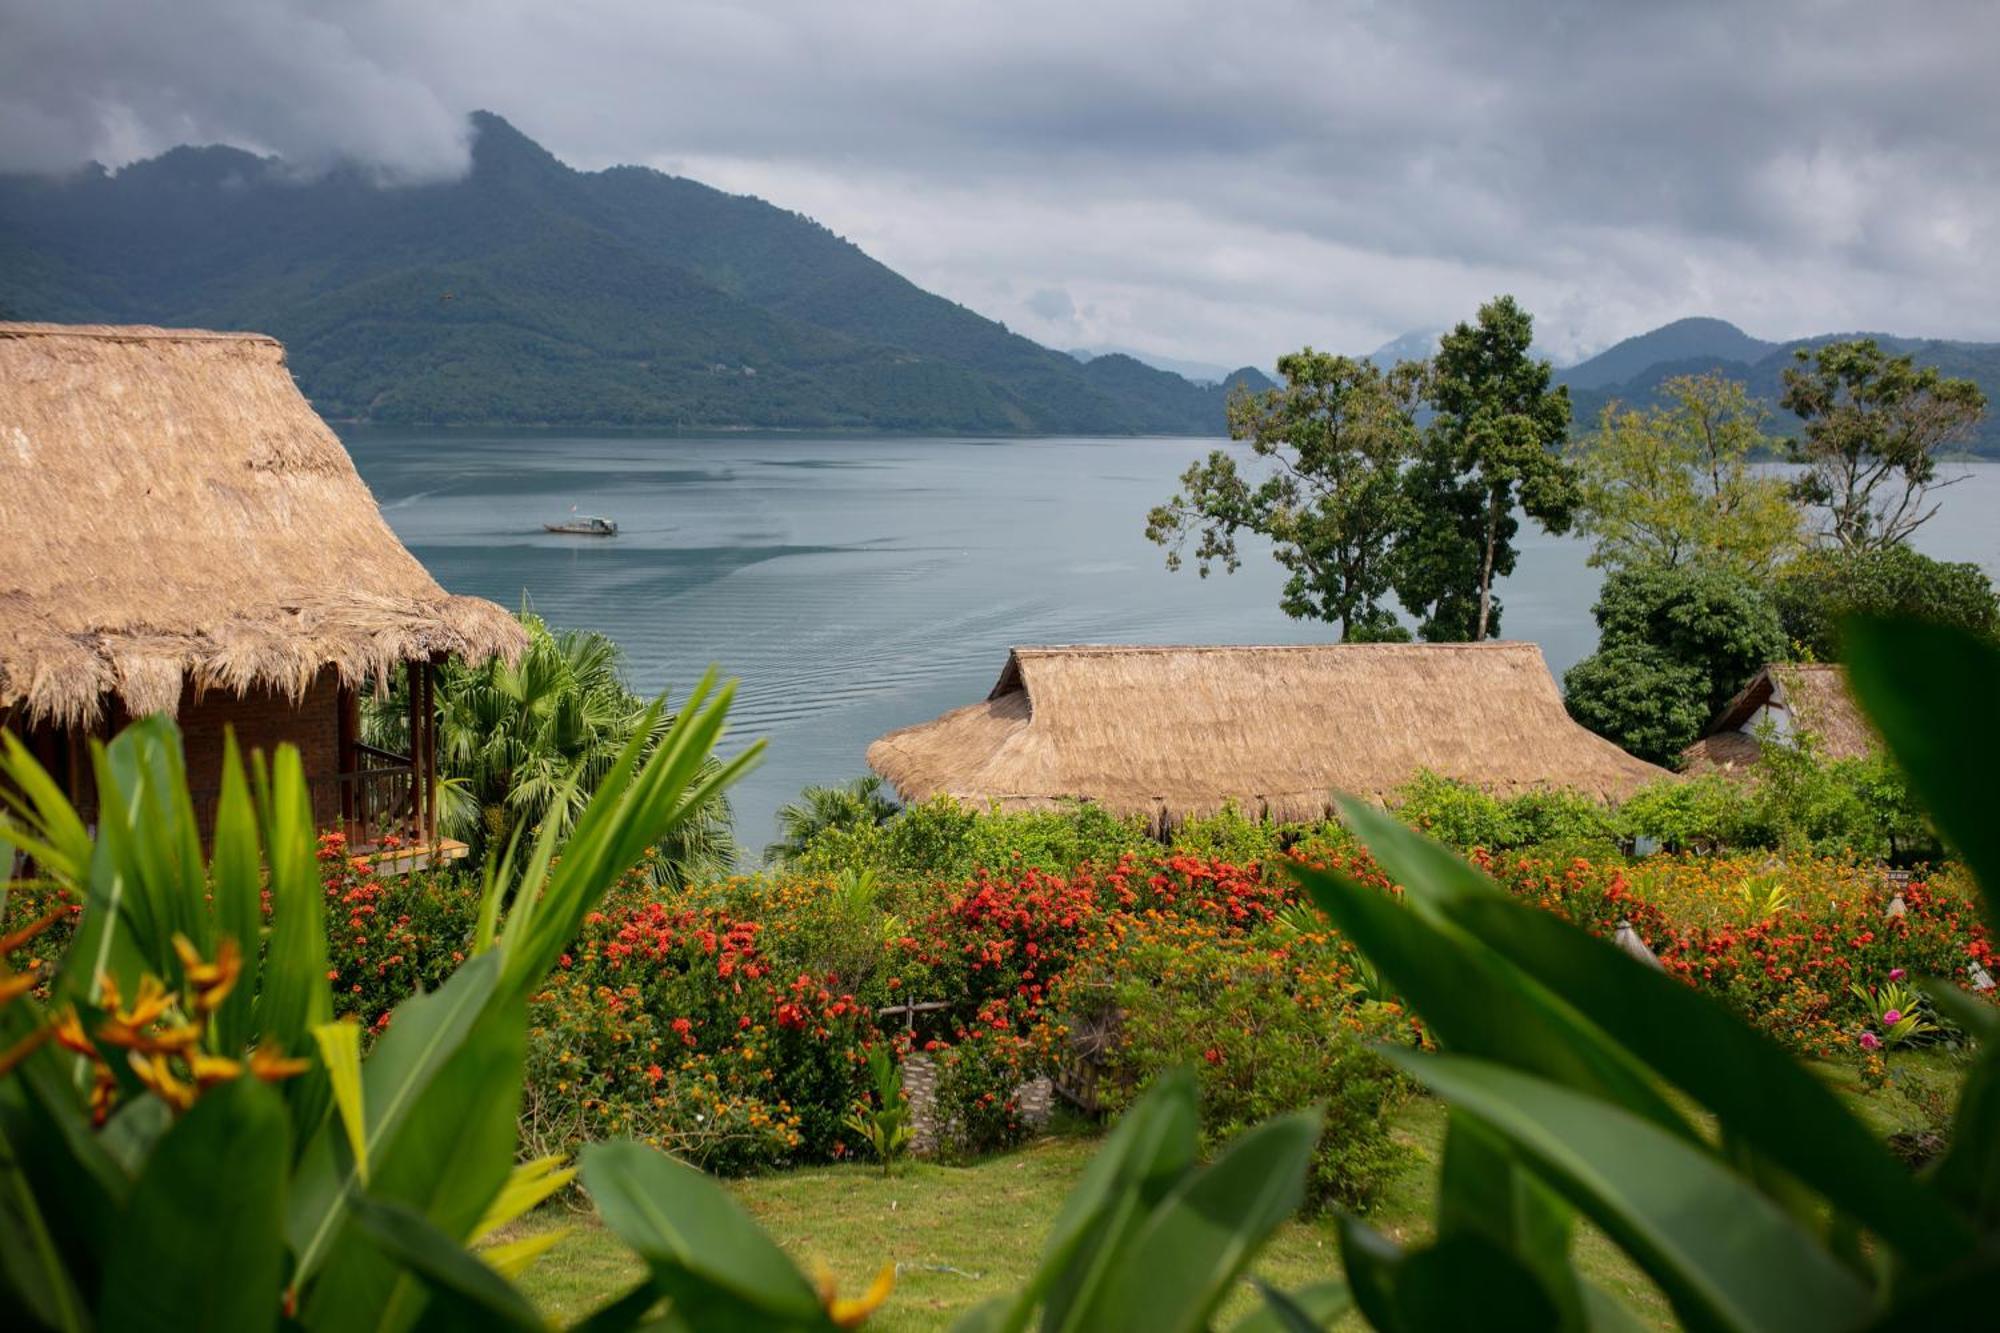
pixel 855 585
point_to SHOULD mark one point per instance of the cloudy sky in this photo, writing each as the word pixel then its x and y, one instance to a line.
pixel 1216 182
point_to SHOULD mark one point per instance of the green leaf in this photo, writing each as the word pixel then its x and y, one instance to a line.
pixel 1763 1097
pixel 1483 1191
pixel 424 1032
pixel 1182 1263
pixel 464 1292
pixel 528 1185
pixel 1373 1264
pixel 1726 1256
pixel 1306 1309
pixel 32 1260
pixel 1466 1281
pixel 719 1268
pixel 1976 1018
pixel 201 1241
pixel 340 1054
pixel 1473 999
pixel 446 1162
pixel 294 997
pixel 1148 1152
pixel 236 873
pixel 1904 671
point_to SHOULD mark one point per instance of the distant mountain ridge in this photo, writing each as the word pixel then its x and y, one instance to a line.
pixel 1632 372
pixel 530 293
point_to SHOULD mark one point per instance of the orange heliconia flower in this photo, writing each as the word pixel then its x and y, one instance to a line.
pixel 270 1063
pixel 853 1311
pixel 209 984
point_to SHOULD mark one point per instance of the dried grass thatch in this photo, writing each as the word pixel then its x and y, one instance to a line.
pixel 173 508
pixel 1816 700
pixel 1177 733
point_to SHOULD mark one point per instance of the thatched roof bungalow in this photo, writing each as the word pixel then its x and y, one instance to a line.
pixel 184 535
pixel 1789 697
pixel 1172 733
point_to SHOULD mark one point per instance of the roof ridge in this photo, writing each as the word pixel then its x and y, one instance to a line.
pixel 1485 646
pixel 128 332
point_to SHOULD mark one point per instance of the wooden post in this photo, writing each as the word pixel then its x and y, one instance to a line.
pixel 909 1009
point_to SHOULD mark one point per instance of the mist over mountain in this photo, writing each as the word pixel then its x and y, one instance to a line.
pixel 526 292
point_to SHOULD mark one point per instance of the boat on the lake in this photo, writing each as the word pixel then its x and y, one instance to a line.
pixel 585 526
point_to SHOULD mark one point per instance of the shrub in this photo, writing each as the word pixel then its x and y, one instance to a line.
pixel 1269 1020
pixel 1465 816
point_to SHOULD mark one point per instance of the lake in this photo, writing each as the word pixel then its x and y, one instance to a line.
pixel 855 585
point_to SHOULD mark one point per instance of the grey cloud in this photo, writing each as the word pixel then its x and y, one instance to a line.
pixel 1216 181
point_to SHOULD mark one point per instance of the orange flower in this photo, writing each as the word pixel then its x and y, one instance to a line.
pixel 154 1071
pixel 13 985
pixel 209 1070
pixel 269 1062
pixel 853 1311
pixel 209 982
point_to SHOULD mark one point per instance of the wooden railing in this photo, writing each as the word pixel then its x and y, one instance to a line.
pixel 370 805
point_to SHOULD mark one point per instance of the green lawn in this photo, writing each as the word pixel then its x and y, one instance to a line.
pixel 958 1234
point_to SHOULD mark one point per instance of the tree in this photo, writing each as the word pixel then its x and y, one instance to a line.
pixel 1674 485
pixel 1874 425
pixel 1674 645
pixel 1337 435
pixel 1822 589
pixel 525 744
pixel 1490 447
pixel 863 803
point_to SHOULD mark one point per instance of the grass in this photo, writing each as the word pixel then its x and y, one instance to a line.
pixel 958 1234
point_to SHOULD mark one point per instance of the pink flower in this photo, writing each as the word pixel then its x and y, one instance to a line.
pixel 1870 1042
pixel 1897 974
pixel 1892 1017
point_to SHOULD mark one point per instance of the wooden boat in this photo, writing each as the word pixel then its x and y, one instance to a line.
pixel 587 526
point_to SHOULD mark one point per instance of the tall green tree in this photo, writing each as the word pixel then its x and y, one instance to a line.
pixel 1336 437
pixel 1675 643
pixel 1491 447
pixel 1874 426
pixel 1821 590
pixel 1674 485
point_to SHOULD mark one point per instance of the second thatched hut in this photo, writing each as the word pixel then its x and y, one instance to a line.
pixel 1172 733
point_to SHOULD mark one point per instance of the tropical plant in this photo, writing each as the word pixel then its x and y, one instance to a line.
pixel 523 745
pixel 1151 1240
pixel 1489 451
pixel 1777 1209
pixel 863 803
pixel 188 1138
pixel 883 1120
pixel 1874 425
pixel 1674 485
pixel 1336 436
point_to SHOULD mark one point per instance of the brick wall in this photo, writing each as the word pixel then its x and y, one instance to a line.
pixel 263 720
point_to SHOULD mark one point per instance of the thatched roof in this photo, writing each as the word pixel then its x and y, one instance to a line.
pixel 1813 695
pixel 173 507
pixel 1174 733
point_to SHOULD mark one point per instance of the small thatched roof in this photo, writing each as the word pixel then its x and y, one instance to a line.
pixel 1174 733
pixel 172 507
pixel 1813 695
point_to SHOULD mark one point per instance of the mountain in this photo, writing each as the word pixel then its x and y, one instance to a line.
pixel 1683 340
pixel 527 292
pixel 1632 372
pixel 1201 372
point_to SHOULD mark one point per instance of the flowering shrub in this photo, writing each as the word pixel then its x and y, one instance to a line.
pixel 1782 943
pixel 388 938
pixel 1269 1019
